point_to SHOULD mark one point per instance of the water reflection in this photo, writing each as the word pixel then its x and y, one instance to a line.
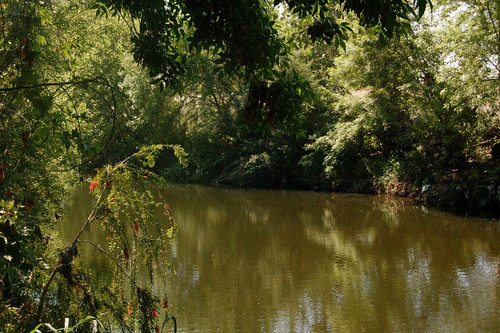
pixel 270 261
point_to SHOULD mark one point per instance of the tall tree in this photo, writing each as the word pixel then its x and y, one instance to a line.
pixel 244 37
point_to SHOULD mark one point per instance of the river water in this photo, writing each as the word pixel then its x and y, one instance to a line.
pixel 289 261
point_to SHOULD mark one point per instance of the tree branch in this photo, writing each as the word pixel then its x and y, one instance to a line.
pixel 49 84
pixel 60 263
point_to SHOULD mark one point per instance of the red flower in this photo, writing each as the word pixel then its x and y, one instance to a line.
pixel 154 313
pixel 136 227
pixel 125 253
pixel 78 286
pixel 129 310
pixel 93 186
pixel 28 204
pixel 165 304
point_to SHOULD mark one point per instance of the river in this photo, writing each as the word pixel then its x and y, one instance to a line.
pixel 290 261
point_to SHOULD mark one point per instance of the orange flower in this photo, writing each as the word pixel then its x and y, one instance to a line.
pixel 129 310
pixel 93 186
pixel 154 313
pixel 78 286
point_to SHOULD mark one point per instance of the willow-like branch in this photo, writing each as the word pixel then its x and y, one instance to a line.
pixel 113 259
pixel 60 262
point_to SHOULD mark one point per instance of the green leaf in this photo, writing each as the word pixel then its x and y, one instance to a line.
pixel 167 318
pixel 40 39
pixel 65 139
pixel 421 5
pixel 88 146
pixel 49 326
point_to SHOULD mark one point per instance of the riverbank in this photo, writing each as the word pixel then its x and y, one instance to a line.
pixel 466 193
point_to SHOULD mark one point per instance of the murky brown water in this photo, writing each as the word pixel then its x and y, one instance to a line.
pixel 271 261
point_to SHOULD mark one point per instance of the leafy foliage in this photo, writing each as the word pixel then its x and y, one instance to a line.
pixel 310 94
pixel 166 33
pixel 127 211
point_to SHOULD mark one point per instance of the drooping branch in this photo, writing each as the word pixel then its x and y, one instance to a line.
pixel 106 253
pixel 63 259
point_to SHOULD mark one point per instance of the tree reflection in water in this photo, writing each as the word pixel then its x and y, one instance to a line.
pixel 265 261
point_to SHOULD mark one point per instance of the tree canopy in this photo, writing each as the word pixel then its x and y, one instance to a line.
pixel 243 34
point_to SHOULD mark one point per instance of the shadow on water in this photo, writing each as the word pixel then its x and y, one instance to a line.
pixel 264 261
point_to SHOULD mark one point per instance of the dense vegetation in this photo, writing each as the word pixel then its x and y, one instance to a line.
pixel 416 115
pixel 315 94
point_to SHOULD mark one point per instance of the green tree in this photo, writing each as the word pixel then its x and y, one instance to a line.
pixel 164 35
pixel 417 114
